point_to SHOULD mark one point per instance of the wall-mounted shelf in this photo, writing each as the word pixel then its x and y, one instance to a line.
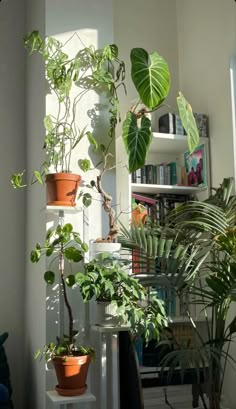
pixel 176 189
pixel 65 209
pixel 170 143
pixel 99 328
pixel 66 400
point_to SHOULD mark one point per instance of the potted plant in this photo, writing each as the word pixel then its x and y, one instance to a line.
pixel 122 299
pixel 196 256
pixel 71 361
pixel 82 72
pixel 151 78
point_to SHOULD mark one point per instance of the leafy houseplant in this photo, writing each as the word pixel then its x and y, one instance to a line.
pixel 82 72
pixel 105 280
pixel 206 232
pixel 151 78
pixel 66 246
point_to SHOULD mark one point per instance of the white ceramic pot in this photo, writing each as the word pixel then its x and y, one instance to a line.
pixel 107 314
pixel 96 248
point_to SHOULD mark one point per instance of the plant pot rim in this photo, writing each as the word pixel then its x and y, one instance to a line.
pixel 63 175
pixel 67 358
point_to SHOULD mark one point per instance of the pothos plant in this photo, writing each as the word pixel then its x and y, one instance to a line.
pixel 65 245
pixel 83 72
pixel 106 280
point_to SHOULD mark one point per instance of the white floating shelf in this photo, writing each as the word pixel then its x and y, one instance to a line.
pixel 175 189
pixel 170 143
pixel 100 328
pixel 65 209
pixel 64 400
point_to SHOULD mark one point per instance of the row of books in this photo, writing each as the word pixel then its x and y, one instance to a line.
pixel 171 123
pixel 161 174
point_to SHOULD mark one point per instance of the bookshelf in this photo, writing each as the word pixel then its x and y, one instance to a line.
pixel 165 148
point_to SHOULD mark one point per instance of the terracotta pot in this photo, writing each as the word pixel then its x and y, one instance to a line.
pixel 71 372
pixel 62 188
pixel 139 216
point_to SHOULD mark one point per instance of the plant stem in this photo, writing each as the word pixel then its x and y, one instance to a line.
pixel 107 200
pixel 69 310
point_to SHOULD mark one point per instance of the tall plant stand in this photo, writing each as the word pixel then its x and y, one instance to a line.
pixel 109 366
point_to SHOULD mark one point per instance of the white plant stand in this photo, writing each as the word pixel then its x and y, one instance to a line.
pixel 109 334
pixel 68 401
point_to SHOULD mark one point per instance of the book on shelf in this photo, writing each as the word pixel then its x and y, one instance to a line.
pixel 172 124
pixel 167 123
pixel 161 174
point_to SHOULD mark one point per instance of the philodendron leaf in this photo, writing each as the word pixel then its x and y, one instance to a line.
pixel 49 277
pixel 151 77
pixel 70 280
pixel 188 121
pixel 136 140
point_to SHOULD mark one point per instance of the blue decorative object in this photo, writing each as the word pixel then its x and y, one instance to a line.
pixel 4 394
pixel 5 384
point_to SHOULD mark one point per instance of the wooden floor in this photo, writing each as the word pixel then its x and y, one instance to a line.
pixel 179 397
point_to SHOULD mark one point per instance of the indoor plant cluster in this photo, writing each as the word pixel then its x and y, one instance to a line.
pixel 99 70
pixel 103 279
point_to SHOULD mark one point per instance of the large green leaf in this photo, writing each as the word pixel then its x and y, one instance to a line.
pixel 136 140
pixel 151 77
pixel 188 121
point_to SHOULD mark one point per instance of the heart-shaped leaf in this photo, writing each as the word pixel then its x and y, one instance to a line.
pixel 70 280
pixel 188 121
pixel 72 253
pixel 136 140
pixel 151 77
pixel 49 277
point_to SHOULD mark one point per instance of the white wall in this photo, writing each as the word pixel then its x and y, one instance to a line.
pixel 153 27
pixel 35 308
pixel 12 158
pixel 206 40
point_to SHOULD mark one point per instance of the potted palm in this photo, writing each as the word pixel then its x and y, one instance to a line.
pixel 71 361
pixel 195 255
pixel 122 300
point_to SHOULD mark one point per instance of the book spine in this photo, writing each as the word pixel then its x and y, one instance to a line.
pixel 173 173
pixel 138 176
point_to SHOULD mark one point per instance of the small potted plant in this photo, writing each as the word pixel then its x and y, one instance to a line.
pixel 122 300
pixel 71 361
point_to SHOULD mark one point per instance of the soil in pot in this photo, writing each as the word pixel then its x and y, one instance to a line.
pixel 71 372
pixel 62 188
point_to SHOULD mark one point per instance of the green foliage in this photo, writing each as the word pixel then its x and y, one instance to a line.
pixel 65 245
pixel 61 241
pixel 188 121
pixel 198 246
pixel 136 139
pixel 151 77
pixel 63 348
pixel 105 279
